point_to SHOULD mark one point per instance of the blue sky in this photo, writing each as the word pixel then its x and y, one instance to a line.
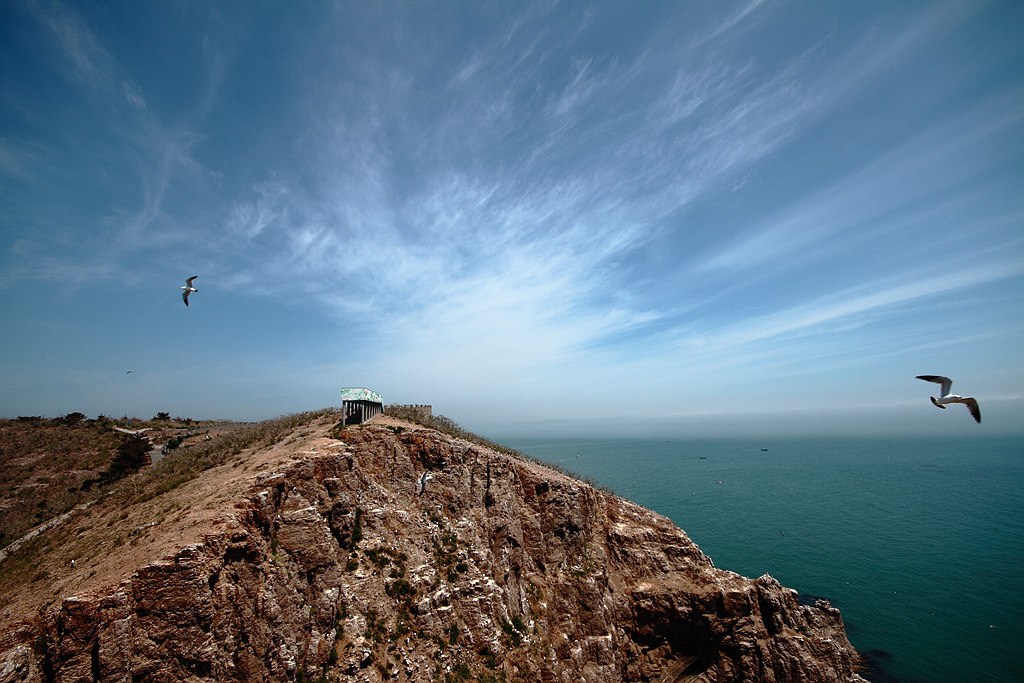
pixel 691 218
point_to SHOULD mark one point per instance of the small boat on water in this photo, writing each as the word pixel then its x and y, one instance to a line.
pixel 764 450
pixel 703 457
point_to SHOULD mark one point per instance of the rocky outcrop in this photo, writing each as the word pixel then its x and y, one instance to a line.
pixel 336 568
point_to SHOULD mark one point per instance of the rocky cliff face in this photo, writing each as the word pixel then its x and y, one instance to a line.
pixel 336 567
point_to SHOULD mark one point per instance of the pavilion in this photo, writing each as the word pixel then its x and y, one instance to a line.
pixel 359 404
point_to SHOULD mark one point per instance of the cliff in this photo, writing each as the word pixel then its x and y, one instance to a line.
pixel 320 559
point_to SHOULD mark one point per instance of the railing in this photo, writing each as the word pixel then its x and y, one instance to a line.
pixel 424 408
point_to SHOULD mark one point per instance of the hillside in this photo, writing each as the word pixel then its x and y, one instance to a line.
pixel 49 466
pixel 293 552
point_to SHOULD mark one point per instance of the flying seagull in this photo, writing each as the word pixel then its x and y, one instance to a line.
pixel 946 398
pixel 421 485
pixel 188 289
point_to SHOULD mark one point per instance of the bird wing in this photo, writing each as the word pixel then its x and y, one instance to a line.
pixel 184 297
pixel 946 382
pixel 189 281
pixel 972 405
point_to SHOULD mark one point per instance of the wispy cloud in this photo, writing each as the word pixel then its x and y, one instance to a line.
pixel 250 218
pixel 133 94
pixel 27 261
pixel 615 147
pixel 19 159
pixel 508 198
pixel 125 165
pixel 735 18
pixel 855 306
pixel 514 246
pixel 933 170
pixel 90 62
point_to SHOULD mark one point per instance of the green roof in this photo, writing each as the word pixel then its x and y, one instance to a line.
pixel 360 394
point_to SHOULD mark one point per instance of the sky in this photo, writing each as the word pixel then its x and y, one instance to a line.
pixel 689 218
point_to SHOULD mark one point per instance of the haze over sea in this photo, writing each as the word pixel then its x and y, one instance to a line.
pixel 917 540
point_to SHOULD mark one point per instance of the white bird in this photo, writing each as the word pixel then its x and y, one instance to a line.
pixel 421 485
pixel 945 398
pixel 188 289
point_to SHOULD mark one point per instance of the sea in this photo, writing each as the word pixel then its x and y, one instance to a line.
pixel 918 541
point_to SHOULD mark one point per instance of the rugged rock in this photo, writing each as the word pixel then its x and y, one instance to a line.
pixel 334 568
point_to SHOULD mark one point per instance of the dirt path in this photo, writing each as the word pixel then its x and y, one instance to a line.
pixel 14 546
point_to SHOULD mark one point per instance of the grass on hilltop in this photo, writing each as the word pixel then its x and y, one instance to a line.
pixel 48 466
pixel 185 464
pixel 52 465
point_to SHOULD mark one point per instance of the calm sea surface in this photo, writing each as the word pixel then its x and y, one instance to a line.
pixel 919 542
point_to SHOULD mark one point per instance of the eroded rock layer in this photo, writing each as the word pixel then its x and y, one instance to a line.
pixel 336 567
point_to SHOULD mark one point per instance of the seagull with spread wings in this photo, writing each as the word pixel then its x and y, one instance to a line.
pixel 945 398
pixel 188 289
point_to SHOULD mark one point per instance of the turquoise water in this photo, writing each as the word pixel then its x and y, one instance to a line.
pixel 919 542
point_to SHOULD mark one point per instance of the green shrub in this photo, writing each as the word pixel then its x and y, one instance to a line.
pixel 357 530
pixel 400 589
pixel 375 627
pixel 378 556
pixel 132 454
pixel 514 638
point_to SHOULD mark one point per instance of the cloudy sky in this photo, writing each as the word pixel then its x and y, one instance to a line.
pixel 538 217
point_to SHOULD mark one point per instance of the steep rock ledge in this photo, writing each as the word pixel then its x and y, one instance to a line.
pixel 334 567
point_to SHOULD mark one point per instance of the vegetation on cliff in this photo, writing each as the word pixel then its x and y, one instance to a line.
pixel 276 552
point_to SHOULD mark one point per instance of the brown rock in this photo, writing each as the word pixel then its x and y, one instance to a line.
pixel 335 566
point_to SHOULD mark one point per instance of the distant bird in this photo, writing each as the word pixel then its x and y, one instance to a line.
pixel 188 289
pixel 946 398
pixel 421 485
